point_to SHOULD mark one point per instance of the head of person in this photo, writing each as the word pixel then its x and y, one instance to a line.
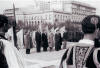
pixel 57 31
pixel 90 25
pixel 38 30
pixel 4 23
pixel 28 32
pixel 43 31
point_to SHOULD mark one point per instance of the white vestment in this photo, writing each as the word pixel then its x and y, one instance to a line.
pixel 13 57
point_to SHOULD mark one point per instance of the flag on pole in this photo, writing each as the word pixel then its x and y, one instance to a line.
pixel 52 30
pixel 40 27
pixel 20 39
pixel 56 30
pixel 62 30
pixel 47 30
pixel 33 38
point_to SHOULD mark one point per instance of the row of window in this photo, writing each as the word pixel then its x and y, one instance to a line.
pixel 47 17
pixel 41 17
pixel 61 17
pixel 78 18
pixel 75 11
pixel 33 22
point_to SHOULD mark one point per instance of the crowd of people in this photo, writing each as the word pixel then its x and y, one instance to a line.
pixel 84 54
pixel 45 41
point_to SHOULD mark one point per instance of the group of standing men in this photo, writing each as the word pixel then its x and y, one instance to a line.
pixel 49 40
pixel 45 40
pixel 41 41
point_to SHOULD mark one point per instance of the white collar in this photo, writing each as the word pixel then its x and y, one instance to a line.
pixel 87 41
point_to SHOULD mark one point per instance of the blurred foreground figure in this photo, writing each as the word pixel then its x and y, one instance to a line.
pixel 81 55
pixel 9 55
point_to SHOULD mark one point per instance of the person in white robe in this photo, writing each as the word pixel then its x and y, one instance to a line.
pixel 13 57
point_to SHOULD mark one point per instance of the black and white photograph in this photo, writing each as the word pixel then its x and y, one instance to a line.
pixel 49 33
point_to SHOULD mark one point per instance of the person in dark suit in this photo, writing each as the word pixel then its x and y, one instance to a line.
pixel 31 43
pixel 28 42
pixel 64 39
pixel 44 41
pixel 38 41
pixel 58 40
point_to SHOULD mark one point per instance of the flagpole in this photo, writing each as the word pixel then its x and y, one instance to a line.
pixel 14 11
pixel 14 26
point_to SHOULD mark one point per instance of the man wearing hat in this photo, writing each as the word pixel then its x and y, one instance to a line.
pixel 80 55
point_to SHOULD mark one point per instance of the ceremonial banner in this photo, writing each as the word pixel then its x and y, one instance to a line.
pixel 33 39
pixel 62 30
pixel 56 30
pixel 52 30
pixel 47 30
pixel 20 39
pixel 40 27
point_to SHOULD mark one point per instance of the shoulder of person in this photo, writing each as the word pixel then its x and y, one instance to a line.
pixel 96 55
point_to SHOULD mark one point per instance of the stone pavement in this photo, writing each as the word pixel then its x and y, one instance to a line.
pixel 44 59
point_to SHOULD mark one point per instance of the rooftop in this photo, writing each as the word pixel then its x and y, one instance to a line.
pixel 82 4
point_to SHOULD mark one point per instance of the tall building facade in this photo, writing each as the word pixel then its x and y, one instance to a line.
pixel 53 12
pixel 77 9
pixel 81 10
pixel 49 17
pixel 10 12
pixel 44 6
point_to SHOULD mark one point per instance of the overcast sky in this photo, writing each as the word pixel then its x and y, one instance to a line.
pixel 4 4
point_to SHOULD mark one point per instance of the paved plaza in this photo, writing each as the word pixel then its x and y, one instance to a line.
pixel 49 59
pixel 43 59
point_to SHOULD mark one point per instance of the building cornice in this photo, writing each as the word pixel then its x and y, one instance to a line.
pixel 82 4
pixel 42 12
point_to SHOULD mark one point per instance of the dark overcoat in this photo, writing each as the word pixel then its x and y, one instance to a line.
pixel 38 37
pixel 27 41
pixel 65 36
pixel 44 40
pixel 58 39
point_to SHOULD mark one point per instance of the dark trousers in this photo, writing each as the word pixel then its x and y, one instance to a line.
pixel 38 47
pixel 44 48
pixel 27 51
pixel 51 48
pixel 57 47
pixel 3 62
